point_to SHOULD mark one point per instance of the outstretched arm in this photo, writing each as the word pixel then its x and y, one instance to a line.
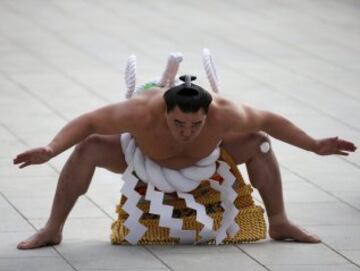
pixel 110 119
pixel 250 119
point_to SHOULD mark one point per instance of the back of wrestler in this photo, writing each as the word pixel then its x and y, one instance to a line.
pixel 175 128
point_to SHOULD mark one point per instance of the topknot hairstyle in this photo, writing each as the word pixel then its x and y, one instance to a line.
pixel 188 96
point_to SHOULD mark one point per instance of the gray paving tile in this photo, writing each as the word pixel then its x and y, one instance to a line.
pixel 96 254
pixel 270 253
pixel 313 267
pixel 205 258
pixel 351 196
pixel 329 213
pixel 339 237
pixel 190 249
pixel 130 269
pixel 11 220
pixel 29 187
pixel 40 207
pixel 35 263
pixel 304 192
pixel 8 169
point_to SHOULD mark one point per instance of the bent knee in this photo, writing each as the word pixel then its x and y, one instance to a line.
pixel 263 143
pixel 88 145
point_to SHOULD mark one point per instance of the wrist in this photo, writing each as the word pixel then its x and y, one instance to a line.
pixel 50 150
pixel 314 146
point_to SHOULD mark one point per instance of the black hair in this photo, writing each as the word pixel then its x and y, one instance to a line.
pixel 189 97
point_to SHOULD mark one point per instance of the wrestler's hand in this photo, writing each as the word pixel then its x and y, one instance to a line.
pixel 34 157
pixel 334 145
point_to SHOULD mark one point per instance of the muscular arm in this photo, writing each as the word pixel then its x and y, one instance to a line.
pixel 112 119
pixel 248 119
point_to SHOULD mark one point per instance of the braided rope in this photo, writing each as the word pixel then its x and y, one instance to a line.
pixel 173 72
pixel 130 76
pixel 172 67
pixel 180 181
pixel 210 70
pixel 166 179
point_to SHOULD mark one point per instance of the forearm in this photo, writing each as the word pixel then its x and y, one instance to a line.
pixel 284 130
pixel 71 134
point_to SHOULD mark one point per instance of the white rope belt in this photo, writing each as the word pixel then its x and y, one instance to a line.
pixel 180 181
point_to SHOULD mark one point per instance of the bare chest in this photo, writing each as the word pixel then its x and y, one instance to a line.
pixel 167 152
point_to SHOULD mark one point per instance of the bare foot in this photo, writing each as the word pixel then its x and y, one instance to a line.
pixel 287 230
pixel 41 239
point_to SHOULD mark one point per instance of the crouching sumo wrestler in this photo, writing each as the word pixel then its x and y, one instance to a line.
pixel 175 127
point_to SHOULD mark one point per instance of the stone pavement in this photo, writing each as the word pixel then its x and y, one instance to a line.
pixel 59 59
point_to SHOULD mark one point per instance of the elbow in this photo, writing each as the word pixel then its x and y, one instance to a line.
pixel 272 121
pixel 267 121
pixel 89 124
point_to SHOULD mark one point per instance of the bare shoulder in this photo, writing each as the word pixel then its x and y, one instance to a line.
pixel 239 117
pixel 135 110
pixel 227 112
pixel 125 116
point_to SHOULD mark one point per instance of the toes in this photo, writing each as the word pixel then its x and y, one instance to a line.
pixel 37 244
pixel 312 239
pixel 29 244
pixel 20 245
pixel 292 232
pixel 24 245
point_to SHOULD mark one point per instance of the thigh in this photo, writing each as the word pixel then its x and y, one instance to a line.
pixel 242 147
pixel 107 152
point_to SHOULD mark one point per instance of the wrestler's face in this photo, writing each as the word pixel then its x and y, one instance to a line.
pixel 185 127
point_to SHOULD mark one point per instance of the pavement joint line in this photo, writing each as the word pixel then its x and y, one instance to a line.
pixel 13 134
pixel 320 187
pixel 322 243
pixel 33 95
pixel 36 230
pixel 350 162
pixel 320 19
pixel 269 60
pixel 99 30
pixel 27 257
pixel 57 69
pixel 157 257
pixel 342 255
pixel 253 258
